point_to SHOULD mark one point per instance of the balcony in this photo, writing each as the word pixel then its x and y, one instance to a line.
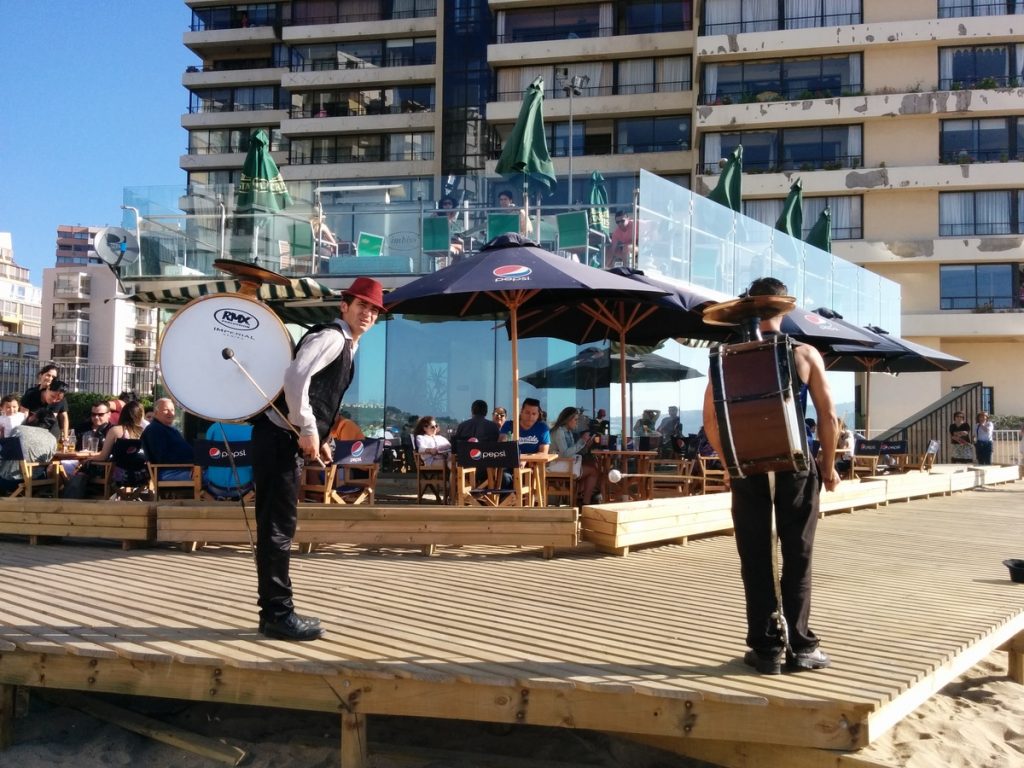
pixel 242 118
pixel 206 44
pixel 939 250
pixel 604 48
pixel 598 107
pixel 329 29
pixel 218 77
pixel 423 74
pixel 852 37
pixel 965 325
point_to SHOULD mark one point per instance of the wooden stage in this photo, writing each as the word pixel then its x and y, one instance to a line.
pixel 907 597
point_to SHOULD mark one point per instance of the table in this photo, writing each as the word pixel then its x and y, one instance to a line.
pixel 538 463
pixel 641 485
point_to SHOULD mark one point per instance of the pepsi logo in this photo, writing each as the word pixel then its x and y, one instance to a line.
pixel 214 453
pixel 357 449
pixel 475 454
pixel 473 440
pixel 815 319
pixel 512 272
pixel 236 319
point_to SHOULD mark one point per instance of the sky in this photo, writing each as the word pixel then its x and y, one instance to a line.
pixel 93 104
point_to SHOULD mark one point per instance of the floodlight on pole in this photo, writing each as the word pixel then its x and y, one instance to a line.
pixel 573 86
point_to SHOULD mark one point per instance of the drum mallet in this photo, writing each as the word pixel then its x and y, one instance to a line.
pixel 229 354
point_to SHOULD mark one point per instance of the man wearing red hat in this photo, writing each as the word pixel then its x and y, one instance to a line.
pixel 314 385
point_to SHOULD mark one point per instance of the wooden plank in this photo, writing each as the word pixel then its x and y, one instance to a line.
pixel 7 697
pixel 131 534
pixel 213 749
pixel 354 745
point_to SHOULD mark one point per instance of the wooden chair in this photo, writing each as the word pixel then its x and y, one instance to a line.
pixel 130 478
pixel 674 477
pixel 431 477
pixel 38 478
pixel 712 478
pixel 233 471
pixel 865 458
pixel 496 458
pixel 350 479
pixel 190 487
pixel 560 482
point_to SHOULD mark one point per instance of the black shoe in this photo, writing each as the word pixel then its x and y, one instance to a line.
pixel 308 619
pixel 800 661
pixel 292 627
pixel 766 662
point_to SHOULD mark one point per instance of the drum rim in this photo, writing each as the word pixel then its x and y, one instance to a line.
pixel 195 302
pixel 735 311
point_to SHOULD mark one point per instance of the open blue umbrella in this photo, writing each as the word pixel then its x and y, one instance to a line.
pixel 508 273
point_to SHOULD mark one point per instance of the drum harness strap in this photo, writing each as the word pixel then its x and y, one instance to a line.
pixel 779 615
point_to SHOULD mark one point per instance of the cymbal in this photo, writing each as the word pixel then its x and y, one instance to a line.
pixel 734 312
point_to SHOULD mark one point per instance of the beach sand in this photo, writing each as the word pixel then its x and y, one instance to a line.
pixel 975 722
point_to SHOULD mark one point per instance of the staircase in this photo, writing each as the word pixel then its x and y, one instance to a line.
pixel 932 423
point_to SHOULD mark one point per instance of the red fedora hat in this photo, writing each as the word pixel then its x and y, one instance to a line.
pixel 369 290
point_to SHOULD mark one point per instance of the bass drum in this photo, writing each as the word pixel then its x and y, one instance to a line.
pixel 208 347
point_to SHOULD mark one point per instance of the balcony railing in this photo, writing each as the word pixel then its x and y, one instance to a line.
pixel 426 11
pixel 750 94
pixel 829 163
pixel 979 8
pixel 217 107
pixel 776 23
pixel 979 82
pixel 345 155
pixel 630 89
pixel 364 62
pixel 358 110
pixel 967 156
pixel 559 32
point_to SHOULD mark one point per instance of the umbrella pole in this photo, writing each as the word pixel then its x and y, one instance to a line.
pixel 515 373
pixel 622 385
pixel 867 404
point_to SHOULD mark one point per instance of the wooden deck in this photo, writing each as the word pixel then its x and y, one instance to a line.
pixel 907 597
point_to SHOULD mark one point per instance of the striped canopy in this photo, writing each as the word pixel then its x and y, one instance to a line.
pixel 303 301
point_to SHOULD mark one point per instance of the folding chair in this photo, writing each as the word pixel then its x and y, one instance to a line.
pixel 496 458
pixel 865 458
pixel 432 477
pixel 502 224
pixel 369 245
pixel 225 476
pixel 350 479
pixel 37 477
pixel 437 239
pixel 576 236
pixel 130 478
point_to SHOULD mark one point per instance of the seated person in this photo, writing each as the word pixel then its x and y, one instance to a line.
pixel 346 429
pixel 457 246
pixel 164 444
pixel 534 435
pixel 622 240
pixel 564 442
pixel 97 426
pixel 37 445
pixel 10 415
pixel 222 482
pixel 505 200
pixel 477 427
pixel 129 428
pixel 845 444
pixel 644 426
pixel 432 447
pixel 46 408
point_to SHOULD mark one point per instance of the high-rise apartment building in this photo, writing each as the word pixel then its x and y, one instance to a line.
pixel 102 341
pixel 905 118
pixel 20 305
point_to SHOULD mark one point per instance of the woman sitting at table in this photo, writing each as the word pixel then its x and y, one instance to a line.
pixel 563 440
pixel 432 447
pixel 129 427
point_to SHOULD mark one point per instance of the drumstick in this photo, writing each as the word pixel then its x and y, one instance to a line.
pixel 229 354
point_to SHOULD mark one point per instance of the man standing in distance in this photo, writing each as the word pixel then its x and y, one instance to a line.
pixel 314 385
pixel 796 515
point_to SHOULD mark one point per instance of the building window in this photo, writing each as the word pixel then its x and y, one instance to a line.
pixel 342 11
pixel 728 17
pixel 230 140
pixel 966 214
pixel 652 134
pixel 235 17
pixel 557 23
pixel 376 101
pixel 788 149
pixel 817 77
pixel 955 8
pixel 365 148
pixel 358 54
pixel 247 99
pixel 978 286
pixel 847 221
pixel 985 140
pixel 647 16
pixel 981 66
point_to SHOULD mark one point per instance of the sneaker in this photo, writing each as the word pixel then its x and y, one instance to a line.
pixel 800 661
pixel 766 662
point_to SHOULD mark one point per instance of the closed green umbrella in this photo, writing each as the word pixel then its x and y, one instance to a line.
pixel 598 212
pixel 820 235
pixel 261 187
pixel 727 191
pixel 526 151
pixel 791 220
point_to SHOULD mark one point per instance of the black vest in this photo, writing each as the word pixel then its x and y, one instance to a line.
pixel 327 386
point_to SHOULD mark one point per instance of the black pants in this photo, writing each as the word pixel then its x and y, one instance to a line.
pixel 984 449
pixel 796 515
pixel 276 473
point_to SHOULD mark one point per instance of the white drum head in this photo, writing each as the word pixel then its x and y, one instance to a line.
pixel 208 347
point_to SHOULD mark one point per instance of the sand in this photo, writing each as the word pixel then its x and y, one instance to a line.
pixel 975 722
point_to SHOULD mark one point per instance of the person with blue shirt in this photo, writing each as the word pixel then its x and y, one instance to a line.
pixel 534 435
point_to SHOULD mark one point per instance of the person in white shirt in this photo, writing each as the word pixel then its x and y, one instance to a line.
pixel 983 433
pixel 432 447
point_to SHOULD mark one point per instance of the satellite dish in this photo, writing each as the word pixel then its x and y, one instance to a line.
pixel 223 357
pixel 116 246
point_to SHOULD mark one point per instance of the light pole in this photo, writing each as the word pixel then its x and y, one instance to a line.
pixel 573 87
